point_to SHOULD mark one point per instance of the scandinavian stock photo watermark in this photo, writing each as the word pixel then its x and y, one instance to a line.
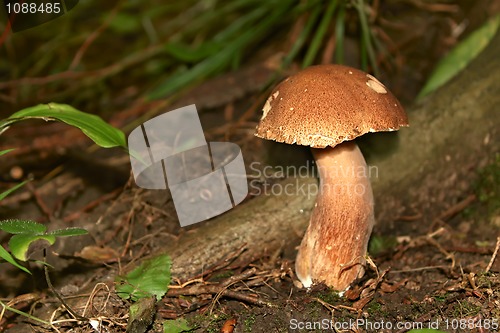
pixel 264 179
pixel 205 179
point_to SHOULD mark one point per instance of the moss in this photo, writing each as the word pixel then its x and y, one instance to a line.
pixel 376 309
pixel 281 325
pixel 222 275
pixel 487 186
pixel 483 280
pixel 465 309
pixel 330 296
pixel 373 308
pixel 439 298
pixel 211 322
pixel 249 322
pixel 487 190
pixel 313 310
pixel 417 309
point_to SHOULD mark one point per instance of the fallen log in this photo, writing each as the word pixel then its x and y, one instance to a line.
pixel 453 132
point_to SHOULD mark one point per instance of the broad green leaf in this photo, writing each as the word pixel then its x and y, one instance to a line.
pixel 22 227
pixel 93 126
pixel 19 244
pixel 176 326
pixel 12 189
pixel 3 152
pixel 460 56
pixel 7 257
pixel 152 277
pixel 68 232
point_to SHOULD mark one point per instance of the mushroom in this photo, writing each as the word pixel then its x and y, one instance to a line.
pixel 325 107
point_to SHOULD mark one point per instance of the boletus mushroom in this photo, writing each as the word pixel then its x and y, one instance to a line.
pixel 326 107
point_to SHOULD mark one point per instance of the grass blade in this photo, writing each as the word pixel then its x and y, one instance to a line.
pixel 320 34
pixel 4 254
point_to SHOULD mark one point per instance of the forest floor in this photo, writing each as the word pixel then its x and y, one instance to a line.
pixel 434 269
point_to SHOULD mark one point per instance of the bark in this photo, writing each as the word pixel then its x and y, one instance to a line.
pixel 451 134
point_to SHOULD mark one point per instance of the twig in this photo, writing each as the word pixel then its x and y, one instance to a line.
pixel 90 301
pixel 240 277
pixel 216 290
pixel 410 218
pixel 418 269
pixel 91 38
pixel 130 223
pixel 448 255
pixel 68 308
pixel 335 307
pixel 222 263
pixel 493 257
pixel 457 208
pixel 98 74
pixel 91 205
pixel 39 201
pixel 221 289
pixel 435 7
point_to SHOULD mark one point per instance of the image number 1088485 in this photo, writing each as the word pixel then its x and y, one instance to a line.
pixel 26 14
pixel 19 7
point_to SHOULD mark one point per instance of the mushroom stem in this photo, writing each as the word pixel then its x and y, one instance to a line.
pixel 334 246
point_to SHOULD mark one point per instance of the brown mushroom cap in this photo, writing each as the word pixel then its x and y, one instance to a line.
pixel 327 104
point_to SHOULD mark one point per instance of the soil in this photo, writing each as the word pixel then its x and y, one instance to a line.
pixel 428 269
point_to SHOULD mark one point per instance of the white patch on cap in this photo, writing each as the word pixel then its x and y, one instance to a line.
pixel 267 106
pixel 375 84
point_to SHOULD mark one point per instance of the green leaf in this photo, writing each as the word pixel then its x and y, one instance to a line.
pixel 176 326
pixel 12 189
pixel 189 54
pixel 237 37
pixel 152 277
pixel 19 244
pixel 22 227
pixel 3 152
pixel 460 56
pixel 68 232
pixel 313 49
pixel 93 126
pixel 379 244
pixel 125 23
pixel 7 257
